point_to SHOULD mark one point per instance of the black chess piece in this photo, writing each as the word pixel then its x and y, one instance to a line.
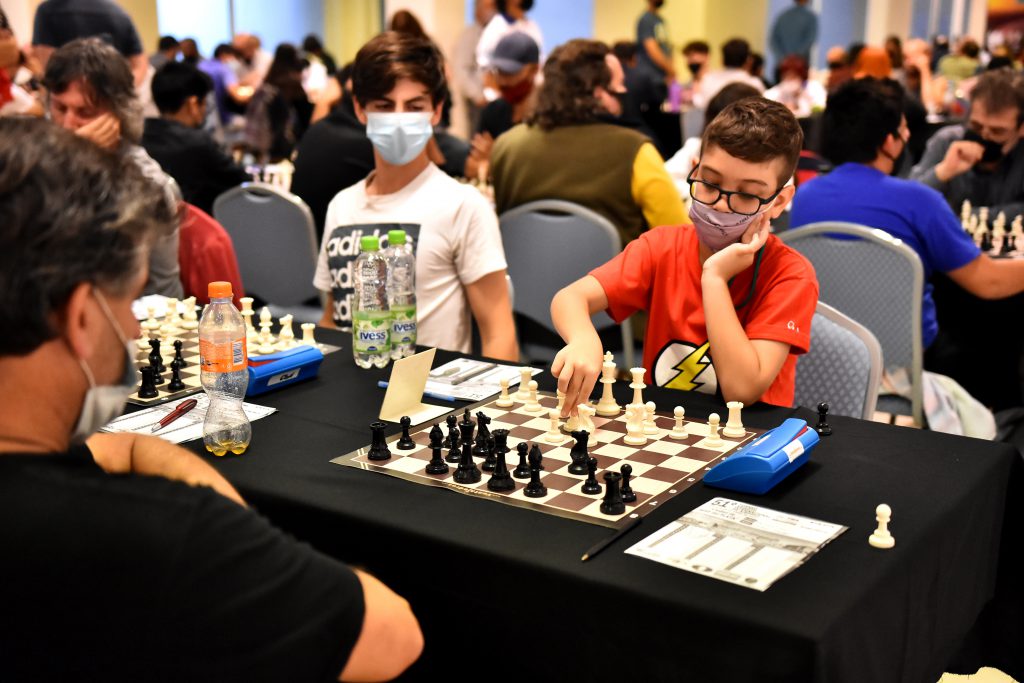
pixel 155 359
pixel 454 452
pixel 406 443
pixel 466 419
pixel 158 379
pixel 176 384
pixel 628 496
pixel 535 489
pixel 613 503
pixel 522 470
pixel 578 453
pixel 590 486
pixel 378 444
pixel 482 449
pixel 823 427
pixel 148 388
pixel 1007 246
pixel 540 456
pixel 177 353
pixel 501 480
pixel 467 472
pixel 452 440
pixel 436 465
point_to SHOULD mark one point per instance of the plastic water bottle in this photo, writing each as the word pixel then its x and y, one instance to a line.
pixel 224 373
pixel 371 320
pixel 401 295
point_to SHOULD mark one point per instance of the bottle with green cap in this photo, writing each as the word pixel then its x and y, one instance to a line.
pixel 371 320
pixel 401 294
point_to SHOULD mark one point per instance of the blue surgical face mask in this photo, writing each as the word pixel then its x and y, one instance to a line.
pixel 399 137
pixel 718 229
pixel 103 403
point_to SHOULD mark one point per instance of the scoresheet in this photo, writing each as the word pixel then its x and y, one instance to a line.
pixel 736 542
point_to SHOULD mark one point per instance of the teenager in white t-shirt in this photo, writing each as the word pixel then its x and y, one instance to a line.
pixel 397 83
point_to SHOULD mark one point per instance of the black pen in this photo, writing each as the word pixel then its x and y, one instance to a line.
pixel 598 547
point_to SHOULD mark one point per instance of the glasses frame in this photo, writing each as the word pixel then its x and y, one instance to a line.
pixel 728 194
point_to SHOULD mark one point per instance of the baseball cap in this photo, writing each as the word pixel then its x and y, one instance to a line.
pixel 515 51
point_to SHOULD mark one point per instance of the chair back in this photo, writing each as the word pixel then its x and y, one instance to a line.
pixel 843 366
pixel 877 280
pixel 274 239
pixel 549 244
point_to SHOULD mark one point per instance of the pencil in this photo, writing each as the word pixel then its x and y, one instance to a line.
pixel 601 545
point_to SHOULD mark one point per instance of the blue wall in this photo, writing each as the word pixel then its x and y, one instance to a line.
pixel 205 20
pixel 273 26
pixel 559 20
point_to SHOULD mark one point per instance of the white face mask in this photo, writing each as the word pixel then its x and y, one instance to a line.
pixel 399 137
pixel 103 403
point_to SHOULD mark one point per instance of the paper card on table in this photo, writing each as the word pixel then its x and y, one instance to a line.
pixel 405 390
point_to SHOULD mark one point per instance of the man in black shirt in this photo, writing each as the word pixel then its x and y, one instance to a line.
pixel 126 558
pixel 58 22
pixel 177 141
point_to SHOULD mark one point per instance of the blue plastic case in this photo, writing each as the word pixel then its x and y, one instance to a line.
pixel 759 466
pixel 283 369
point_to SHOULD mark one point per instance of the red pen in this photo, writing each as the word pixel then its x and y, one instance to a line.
pixel 182 408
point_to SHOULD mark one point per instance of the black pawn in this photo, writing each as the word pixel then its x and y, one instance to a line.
pixel 148 388
pixel 158 379
pixel 627 491
pixel 452 440
pixel 613 503
pixel 590 486
pixel 378 444
pixel 467 472
pixel 482 449
pixel 522 470
pixel 436 465
pixel 406 443
pixel 155 359
pixel 177 353
pixel 578 453
pixel 454 453
pixel 823 427
pixel 500 480
pixel 535 489
pixel 176 384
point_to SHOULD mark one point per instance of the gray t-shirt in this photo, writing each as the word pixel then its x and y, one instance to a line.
pixel 164 271
pixel 651 26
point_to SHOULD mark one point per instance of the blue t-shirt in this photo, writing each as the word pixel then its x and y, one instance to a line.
pixel 905 209
pixel 651 26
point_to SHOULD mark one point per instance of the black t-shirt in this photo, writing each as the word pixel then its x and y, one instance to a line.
pixel 59 22
pixel 130 578
pixel 496 118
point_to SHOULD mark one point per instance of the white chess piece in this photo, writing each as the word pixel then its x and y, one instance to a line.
pixel 881 538
pixel 586 422
pixel 634 425
pixel 554 433
pixel 532 404
pixel 523 395
pixel 170 318
pixel 713 440
pixel 679 428
pixel 246 302
pixel 307 333
pixel 190 320
pixel 504 401
pixel 266 345
pixel 572 424
pixel 286 337
pixel 143 341
pixel 637 385
pixel 965 213
pixel 252 337
pixel 650 426
pixel 607 407
pixel 151 322
pixel 734 427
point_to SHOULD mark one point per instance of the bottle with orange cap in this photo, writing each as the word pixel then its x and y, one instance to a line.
pixel 224 373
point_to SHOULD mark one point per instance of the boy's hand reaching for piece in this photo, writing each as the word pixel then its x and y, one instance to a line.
pixel 577 367
pixel 737 257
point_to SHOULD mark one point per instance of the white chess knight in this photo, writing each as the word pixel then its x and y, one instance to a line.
pixel 586 421
pixel 635 425
pixel 881 538
pixel 286 337
pixel 190 320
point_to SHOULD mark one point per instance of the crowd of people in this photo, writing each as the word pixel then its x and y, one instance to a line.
pixel 107 155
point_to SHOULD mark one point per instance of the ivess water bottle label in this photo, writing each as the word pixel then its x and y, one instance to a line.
pixel 403 325
pixel 372 331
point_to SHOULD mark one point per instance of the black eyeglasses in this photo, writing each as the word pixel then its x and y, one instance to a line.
pixel 738 202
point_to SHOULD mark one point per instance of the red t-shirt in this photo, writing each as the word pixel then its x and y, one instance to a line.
pixel 660 273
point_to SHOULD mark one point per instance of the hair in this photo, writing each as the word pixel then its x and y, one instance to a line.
pixel 73 213
pixel 970 49
pixel 624 51
pixel 502 5
pixel 858 118
pixel 390 57
pixel 734 92
pixel 756 64
pixel 757 130
pixel 404 21
pixel 735 53
pixel 894 48
pixel 571 73
pixel 224 49
pixel 312 44
pixel 853 51
pixel 166 43
pixel 174 83
pixel 698 46
pixel 1000 90
pixel 105 78
pixel 794 63
pixel 285 71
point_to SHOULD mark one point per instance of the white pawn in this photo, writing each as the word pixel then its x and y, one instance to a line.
pixel 881 538
pixel 634 425
pixel 650 426
pixel 307 334
pixel 523 395
pixel 504 401
pixel 266 346
pixel 554 434
pixel 679 428
pixel 734 427
pixel 532 404
pixel 713 440
pixel 170 318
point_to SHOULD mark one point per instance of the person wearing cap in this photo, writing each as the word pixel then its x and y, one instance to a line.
pixel 511 17
pixel 571 147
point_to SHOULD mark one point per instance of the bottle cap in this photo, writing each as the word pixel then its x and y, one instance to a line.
pixel 369 243
pixel 219 290
pixel 396 237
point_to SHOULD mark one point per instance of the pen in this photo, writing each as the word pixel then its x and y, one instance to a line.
pixel 182 408
pixel 383 384
pixel 601 545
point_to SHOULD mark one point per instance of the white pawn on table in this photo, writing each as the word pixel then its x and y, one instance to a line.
pixel 713 440
pixel 679 428
pixel 881 538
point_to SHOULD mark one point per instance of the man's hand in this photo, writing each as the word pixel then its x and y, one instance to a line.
pixel 961 157
pixel 736 258
pixel 104 131
pixel 577 367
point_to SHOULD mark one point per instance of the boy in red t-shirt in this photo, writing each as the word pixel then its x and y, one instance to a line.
pixel 730 305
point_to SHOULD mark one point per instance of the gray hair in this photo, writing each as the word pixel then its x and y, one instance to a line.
pixel 73 213
pixel 105 76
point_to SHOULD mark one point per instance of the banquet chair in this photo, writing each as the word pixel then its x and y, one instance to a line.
pixel 843 366
pixel 549 244
pixel 878 281
pixel 275 241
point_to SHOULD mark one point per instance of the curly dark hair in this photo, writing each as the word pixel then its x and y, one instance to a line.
pixel 571 73
pixel 73 213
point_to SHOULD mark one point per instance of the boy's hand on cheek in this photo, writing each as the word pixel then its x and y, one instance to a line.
pixel 736 258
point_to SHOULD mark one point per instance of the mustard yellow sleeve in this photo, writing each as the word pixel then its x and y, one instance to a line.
pixel 653 189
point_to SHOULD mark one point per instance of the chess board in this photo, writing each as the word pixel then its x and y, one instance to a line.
pixel 662 468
